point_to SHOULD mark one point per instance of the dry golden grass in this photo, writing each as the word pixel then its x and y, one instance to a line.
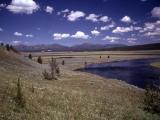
pixel 75 96
pixel 156 64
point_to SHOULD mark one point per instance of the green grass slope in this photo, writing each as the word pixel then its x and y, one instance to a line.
pixel 75 96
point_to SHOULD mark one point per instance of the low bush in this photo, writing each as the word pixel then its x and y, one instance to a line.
pixel 152 99
pixel 19 97
pixel 53 72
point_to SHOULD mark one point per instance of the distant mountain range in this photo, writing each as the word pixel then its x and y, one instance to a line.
pixel 153 46
pixel 85 47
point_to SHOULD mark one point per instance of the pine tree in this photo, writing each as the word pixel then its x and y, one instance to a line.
pixel 7 47
pixel 39 60
pixel 2 44
pixel 30 56
pixel 63 62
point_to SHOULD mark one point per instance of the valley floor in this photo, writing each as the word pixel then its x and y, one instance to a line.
pixel 74 96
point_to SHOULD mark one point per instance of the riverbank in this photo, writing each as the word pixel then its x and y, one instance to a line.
pixel 156 64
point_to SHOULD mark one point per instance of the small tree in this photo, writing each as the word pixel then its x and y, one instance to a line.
pixel 63 62
pixel 39 60
pixel 13 49
pixel 54 70
pixel 2 44
pixel 46 75
pixel 32 89
pixel 7 47
pixel 30 56
pixel 85 64
pixel 58 71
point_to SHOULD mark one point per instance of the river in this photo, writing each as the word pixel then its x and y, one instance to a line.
pixel 137 72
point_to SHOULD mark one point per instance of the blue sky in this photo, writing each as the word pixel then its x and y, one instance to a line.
pixel 70 22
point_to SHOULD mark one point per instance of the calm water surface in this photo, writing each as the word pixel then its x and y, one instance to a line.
pixel 136 72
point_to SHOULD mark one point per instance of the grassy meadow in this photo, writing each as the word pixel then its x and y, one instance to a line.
pixel 75 95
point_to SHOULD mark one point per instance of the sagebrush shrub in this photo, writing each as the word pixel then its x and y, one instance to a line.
pixel 152 100
pixel 53 72
pixel 19 97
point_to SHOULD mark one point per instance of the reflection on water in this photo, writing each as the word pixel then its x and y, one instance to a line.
pixel 136 72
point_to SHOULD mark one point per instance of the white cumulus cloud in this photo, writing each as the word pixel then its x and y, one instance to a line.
pixel 126 19
pixel 131 39
pixel 156 12
pixel 49 9
pixel 149 26
pixel 65 11
pixel 97 18
pixel 23 6
pixel 153 33
pixel 110 38
pixel 29 35
pixel 151 29
pixel 16 42
pixel 95 32
pixel 18 34
pixel 104 19
pixel 92 17
pixel 75 15
pixel 107 27
pixel 122 29
pixel 2 5
pixel 59 36
pixel 80 35
pixel 137 28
